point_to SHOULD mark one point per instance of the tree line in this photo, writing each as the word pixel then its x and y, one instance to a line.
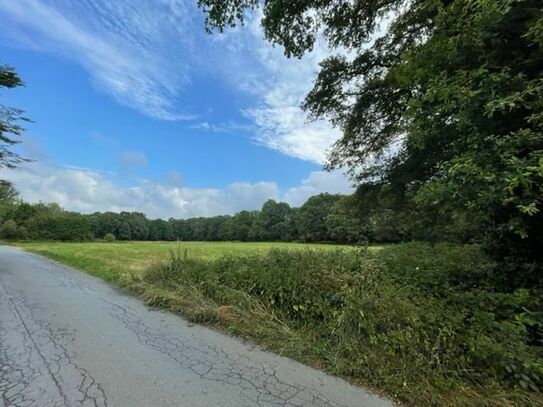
pixel 370 215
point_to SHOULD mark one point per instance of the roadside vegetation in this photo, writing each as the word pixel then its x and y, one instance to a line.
pixel 120 261
pixel 421 323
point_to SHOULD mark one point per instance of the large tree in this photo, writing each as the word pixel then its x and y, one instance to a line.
pixel 440 98
pixel 312 215
pixel 274 222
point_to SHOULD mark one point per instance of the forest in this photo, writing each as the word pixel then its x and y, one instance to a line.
pixel 369 216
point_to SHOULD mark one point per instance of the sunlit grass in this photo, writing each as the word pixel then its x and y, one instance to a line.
pixel 113 260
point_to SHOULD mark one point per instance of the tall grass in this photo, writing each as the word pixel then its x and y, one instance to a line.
pixel 421 323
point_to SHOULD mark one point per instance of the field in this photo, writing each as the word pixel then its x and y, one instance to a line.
pixel 112 261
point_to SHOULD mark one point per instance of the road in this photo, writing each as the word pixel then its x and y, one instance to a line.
pixel 69 339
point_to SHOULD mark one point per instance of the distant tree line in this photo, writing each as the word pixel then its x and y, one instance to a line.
pixel 372 214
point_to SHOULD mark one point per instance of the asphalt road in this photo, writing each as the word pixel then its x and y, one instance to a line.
pixel 69 339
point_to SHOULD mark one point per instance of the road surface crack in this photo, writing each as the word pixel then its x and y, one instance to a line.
pixel 259 384
pixel 35 367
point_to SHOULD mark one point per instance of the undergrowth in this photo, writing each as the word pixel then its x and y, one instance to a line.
pixel 421 323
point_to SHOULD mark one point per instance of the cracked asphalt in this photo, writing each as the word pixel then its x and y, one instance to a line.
pixel 69 339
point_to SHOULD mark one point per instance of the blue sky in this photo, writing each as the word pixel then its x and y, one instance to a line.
pixel 135 107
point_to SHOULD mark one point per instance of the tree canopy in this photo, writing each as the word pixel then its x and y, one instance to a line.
pixel 8 193
pixel 441 99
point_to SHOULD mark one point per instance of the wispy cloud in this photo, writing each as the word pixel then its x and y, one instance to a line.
pixel 279 86
pixel 124 48
pixel 227 127
pixel 147 53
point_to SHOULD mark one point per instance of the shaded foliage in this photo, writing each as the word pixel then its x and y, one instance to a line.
pixel 441 100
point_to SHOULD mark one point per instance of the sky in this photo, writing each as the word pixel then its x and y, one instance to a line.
pixel 135 107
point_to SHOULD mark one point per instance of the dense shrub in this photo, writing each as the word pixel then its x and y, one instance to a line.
pixel 22 233
pixel 109 237
pixel 421 322
pixel 9 230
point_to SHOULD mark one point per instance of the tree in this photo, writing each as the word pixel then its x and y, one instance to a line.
pixel 65 226
pixel 8 193
pixel 125 233
pixel 445 103
pixel 10 117
pixel 389 215
pixel 274 222
pixel 343 223
pixel 226 229
pixel 181 229
pixel 242 222
pixel 214 225
pixel 196 229
pixel 9 230
pixel 139 225
pixel 104 223
pixel 311 217
pixel 159 229
pixel 24 211
pixel 22 233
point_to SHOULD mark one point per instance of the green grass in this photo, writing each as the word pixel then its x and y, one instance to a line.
pixel 114 261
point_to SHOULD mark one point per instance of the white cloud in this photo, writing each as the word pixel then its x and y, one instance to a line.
pixel 87 191
pixel 131 159
pixel 227 127
pixel 279 85
pixel 285 129
pixel 315 183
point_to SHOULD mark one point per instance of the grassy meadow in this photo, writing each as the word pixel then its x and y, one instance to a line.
pixel 112 261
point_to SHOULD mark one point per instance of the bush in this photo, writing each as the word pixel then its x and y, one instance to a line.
pixel 421 322
pixel 110 237
pixel 9 230
pixel 22 233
